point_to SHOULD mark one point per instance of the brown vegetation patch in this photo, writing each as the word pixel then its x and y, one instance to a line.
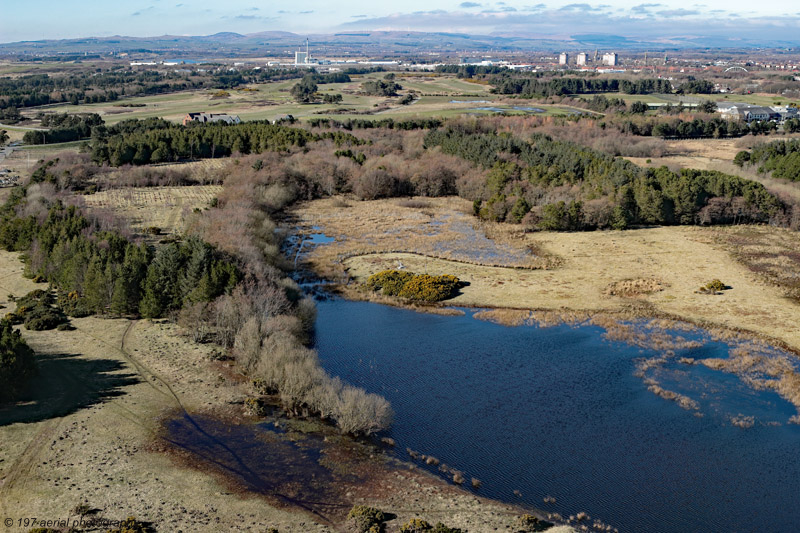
pixel 629 288
pixel 434 227
pixel 762 368
pixel 773 254
pixel 167 208
pixel 684 402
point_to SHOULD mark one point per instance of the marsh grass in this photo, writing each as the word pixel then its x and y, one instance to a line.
pixel 773 254
pixel 629 288
pixel 440 228
pixel 763 368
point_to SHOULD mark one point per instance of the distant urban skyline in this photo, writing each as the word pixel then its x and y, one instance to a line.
pixel 49 19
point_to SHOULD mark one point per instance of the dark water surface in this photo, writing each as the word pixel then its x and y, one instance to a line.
pixel 559 412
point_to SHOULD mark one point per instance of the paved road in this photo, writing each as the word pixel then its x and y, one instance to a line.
pixel 22 128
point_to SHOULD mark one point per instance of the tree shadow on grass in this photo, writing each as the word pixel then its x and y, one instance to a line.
pixel 64 384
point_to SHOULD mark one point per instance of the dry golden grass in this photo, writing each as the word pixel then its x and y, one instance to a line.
pixel 436 227
pixel 680 258
pixel 164 207
pixel 773 254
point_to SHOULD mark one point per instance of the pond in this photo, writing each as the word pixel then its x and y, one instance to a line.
pixel 525 109
pixel 564 414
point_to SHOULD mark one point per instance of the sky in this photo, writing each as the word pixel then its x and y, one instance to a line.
pixel 59 19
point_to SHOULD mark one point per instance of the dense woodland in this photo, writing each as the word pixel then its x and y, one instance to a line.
pixel 543 84
pixel 63 128
pixel 367 124
pixel 782 158
pixel 535 88
pixel 141 142
pixel 599 191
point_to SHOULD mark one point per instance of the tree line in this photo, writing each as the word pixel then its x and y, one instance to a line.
pixel 63 128
pixel 599 190
pixel 386 123
pixel 697 128
pixel 140 142
pixel 514 83
pixel 782 158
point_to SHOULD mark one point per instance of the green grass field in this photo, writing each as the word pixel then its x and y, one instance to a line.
pixel 269 101
pixel 272 100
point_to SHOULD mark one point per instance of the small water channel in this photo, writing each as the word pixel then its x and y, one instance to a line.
pixel 562 413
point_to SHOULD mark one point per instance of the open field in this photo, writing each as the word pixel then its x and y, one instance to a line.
pixel 269 101
pixel 23 159
pixel 580 268
pixel 162 207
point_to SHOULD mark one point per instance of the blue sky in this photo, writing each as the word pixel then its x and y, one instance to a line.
pixel 50 19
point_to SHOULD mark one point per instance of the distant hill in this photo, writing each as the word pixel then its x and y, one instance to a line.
pixel 399 43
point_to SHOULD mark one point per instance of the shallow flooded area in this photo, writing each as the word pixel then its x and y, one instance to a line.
pixel 316 472
pixel 565 419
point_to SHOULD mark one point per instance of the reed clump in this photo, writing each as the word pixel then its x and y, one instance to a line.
pixel 629 288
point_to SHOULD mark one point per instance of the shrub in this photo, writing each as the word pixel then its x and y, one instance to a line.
pixel 81 509
pixel 529 523
pixel 713 287
pixel 34 310
pixel 254 407
pixel 390 282
pixel 366 519
pixel 415 525
pixel 418 287
pixel 441 528
pixel 427 288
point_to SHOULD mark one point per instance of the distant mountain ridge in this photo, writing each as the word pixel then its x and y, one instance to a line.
pixel 231 44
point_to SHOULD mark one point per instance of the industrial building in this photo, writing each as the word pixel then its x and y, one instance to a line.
pixel 302 59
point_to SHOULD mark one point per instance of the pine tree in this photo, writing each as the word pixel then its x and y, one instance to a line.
pixel 197 266
pixel 95 285
pixel 161 290
pixel 128 283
